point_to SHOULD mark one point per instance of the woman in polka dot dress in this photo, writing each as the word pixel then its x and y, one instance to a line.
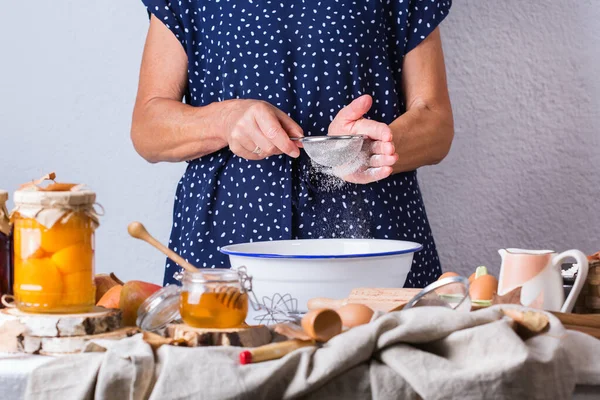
pixel 255 73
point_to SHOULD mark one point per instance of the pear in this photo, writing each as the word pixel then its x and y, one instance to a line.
pixel 104 282
pixel 132 296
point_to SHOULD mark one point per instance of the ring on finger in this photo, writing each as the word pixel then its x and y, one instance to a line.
pixel 257 150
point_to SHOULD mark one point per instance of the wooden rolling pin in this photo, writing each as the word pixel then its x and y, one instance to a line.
pixel 378 299
pixel 272 351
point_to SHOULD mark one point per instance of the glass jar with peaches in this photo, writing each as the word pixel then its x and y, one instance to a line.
pixel 54 248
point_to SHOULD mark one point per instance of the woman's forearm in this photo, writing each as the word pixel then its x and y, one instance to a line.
pixel 168 130
pixel 422 136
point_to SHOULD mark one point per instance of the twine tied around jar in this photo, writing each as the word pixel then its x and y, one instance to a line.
pixel 56 202
pixel 8 301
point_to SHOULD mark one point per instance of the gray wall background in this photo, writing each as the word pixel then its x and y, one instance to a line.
pixel 524 169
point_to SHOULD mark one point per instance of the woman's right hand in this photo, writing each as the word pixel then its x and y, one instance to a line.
pixel 256 130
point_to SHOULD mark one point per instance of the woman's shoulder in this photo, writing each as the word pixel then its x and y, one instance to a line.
pixel 175 15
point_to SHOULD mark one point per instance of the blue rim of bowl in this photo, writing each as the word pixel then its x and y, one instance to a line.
pixel 225 250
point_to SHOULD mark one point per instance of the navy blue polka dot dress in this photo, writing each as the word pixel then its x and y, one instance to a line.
pixel 309 58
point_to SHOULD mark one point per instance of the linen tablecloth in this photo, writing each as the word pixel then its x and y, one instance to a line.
pixel 428 352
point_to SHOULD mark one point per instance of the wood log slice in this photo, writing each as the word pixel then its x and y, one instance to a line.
pixel 68 344
pixel 10 332
pixel 99 320
pixel 252 336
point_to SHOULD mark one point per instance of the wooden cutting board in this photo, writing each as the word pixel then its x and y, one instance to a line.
pixel 250 336
pixel 378 299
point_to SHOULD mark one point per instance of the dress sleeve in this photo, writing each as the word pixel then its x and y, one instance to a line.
pixel 171 14
pixel 423 17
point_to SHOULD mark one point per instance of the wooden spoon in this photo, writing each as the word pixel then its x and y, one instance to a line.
pixel 138 231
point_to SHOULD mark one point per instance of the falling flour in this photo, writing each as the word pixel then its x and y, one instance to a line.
pixel 331 178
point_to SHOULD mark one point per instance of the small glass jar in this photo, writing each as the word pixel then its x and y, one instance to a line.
pixel 54 250
pixel 6 271
pixel 213 298
pixel 210 298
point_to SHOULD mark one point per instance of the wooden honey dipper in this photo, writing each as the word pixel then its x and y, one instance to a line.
pixel 227 295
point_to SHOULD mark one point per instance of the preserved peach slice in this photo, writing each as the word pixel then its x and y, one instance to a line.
pixel 77 229
pixel 38 282
pixel 74 258
pixel 79 289
pixel 83 299
pixel 28 239
pixel 78 281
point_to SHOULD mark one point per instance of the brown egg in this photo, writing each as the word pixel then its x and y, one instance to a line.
pixel 447 275
pixel 355 314
pixel 483 288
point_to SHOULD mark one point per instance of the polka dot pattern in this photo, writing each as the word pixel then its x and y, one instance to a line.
pixel 309 58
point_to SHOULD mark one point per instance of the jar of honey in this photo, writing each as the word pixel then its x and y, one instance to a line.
pixel 54 249
pixel 213 298
pixel 6 270
pixel 210 298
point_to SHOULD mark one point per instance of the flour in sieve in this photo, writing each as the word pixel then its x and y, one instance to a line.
pixel 334 153
pixel 331 178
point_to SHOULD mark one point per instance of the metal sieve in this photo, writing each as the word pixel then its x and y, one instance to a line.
pixel 332 151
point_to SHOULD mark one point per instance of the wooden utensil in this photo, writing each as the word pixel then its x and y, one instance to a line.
pixel 138 231
pixel 291 331
pixel 595 332
pixel 230 297
pixel 227 295
pixel 385 300
pixel 247 336
pixel 586 323
pixel 584 320
pixel 272 351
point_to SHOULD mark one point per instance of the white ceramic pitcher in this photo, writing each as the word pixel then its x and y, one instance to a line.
pixel 538 273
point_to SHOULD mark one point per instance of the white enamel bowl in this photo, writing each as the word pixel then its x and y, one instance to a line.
pixel 285 270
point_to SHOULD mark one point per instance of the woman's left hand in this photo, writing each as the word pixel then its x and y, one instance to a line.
pixel 382 152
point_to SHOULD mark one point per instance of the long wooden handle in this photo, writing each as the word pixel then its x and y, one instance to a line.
pixel 138 231
pixel 324 302
pixel 272 351
pixel 586 320
pixel 595 332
